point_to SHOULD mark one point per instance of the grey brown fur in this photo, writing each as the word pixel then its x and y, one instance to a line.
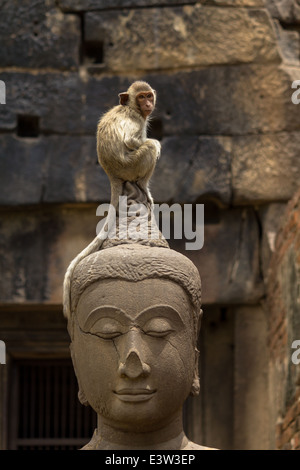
pixel 124 151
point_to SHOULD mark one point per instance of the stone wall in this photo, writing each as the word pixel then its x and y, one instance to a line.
pixel 284 329
pixel 230 135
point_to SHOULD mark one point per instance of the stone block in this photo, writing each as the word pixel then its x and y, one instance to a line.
pixel 52 169
pixel 94 5
pixel 211 101
pixel 251 360
pixel 287 11
pixel 39 36
pixel 36 248
pixel 60 169
pixel 185 36
pixel 271 216
pixel 289 44
pixel 193 168
pixel 262 166
pixel 235 3
pixel 87 5
pixel 37 245
pixel 65 103
pixel 22 169
pixel 228 263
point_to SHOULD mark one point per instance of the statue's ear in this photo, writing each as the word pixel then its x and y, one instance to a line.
pixel 81 395
pixel 195 389
pixel 123 98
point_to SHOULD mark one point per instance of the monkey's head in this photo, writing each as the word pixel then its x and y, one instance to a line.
pixel 140 97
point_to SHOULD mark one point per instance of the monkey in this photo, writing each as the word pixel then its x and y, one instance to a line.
pixel 125 154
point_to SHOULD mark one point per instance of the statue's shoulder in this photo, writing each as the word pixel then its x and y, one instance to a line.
pixel 193 446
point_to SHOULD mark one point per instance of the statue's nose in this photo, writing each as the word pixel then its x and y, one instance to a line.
pixel 131 356
pixel 133 366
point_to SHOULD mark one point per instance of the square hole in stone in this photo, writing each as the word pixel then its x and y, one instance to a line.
pixel 28 126
pixel 93 52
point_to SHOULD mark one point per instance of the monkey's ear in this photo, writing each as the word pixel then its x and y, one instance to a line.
pixel 123 98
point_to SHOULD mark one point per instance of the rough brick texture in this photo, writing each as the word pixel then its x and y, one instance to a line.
pixel 284 328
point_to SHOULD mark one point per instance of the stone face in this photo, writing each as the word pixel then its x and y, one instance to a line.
pixel 149 39
pixel 262 166
pixel 38 37
pixel 193 167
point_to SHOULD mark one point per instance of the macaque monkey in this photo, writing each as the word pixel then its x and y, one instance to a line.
pixel 124 152
pixel 126 155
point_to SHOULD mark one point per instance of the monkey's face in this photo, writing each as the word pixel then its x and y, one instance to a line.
pixel 146 102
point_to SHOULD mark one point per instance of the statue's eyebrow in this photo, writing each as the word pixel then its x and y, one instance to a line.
pixel 103 312
pixel 160 310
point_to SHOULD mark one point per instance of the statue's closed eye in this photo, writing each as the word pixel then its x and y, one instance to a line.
pixel 158 327
pixel 107 328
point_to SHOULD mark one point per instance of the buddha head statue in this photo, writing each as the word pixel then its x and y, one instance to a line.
pixel 134 320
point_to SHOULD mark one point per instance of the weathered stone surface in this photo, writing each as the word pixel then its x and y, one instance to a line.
pixel 235 3
pixel 229 260
pixel 51 169
pixel 193 168
pixel 215 100
pixel 289 44
pixel 65 102
pixel 284 328
pixel 251 405
pixel 217 372
pixel 66 169
pixel 86 5
pixel 39 36
pixel 149 39
pixel 36 247
pixel 266 167
pixel 271 219
pixel 287 11
pixel 227 100
pixel 22 168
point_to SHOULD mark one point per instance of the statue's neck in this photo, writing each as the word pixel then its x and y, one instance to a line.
pixel 107 437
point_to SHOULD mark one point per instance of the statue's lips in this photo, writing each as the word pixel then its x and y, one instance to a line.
pixel 138 394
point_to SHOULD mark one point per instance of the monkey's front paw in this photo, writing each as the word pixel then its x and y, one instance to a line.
pixel 157 148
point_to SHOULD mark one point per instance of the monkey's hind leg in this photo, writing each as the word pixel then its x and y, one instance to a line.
pixel 143 184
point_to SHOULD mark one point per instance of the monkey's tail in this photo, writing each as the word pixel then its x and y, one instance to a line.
pixel 94 246
pixel 91 248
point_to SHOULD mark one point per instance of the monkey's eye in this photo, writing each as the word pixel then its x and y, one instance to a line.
pixel 141 97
